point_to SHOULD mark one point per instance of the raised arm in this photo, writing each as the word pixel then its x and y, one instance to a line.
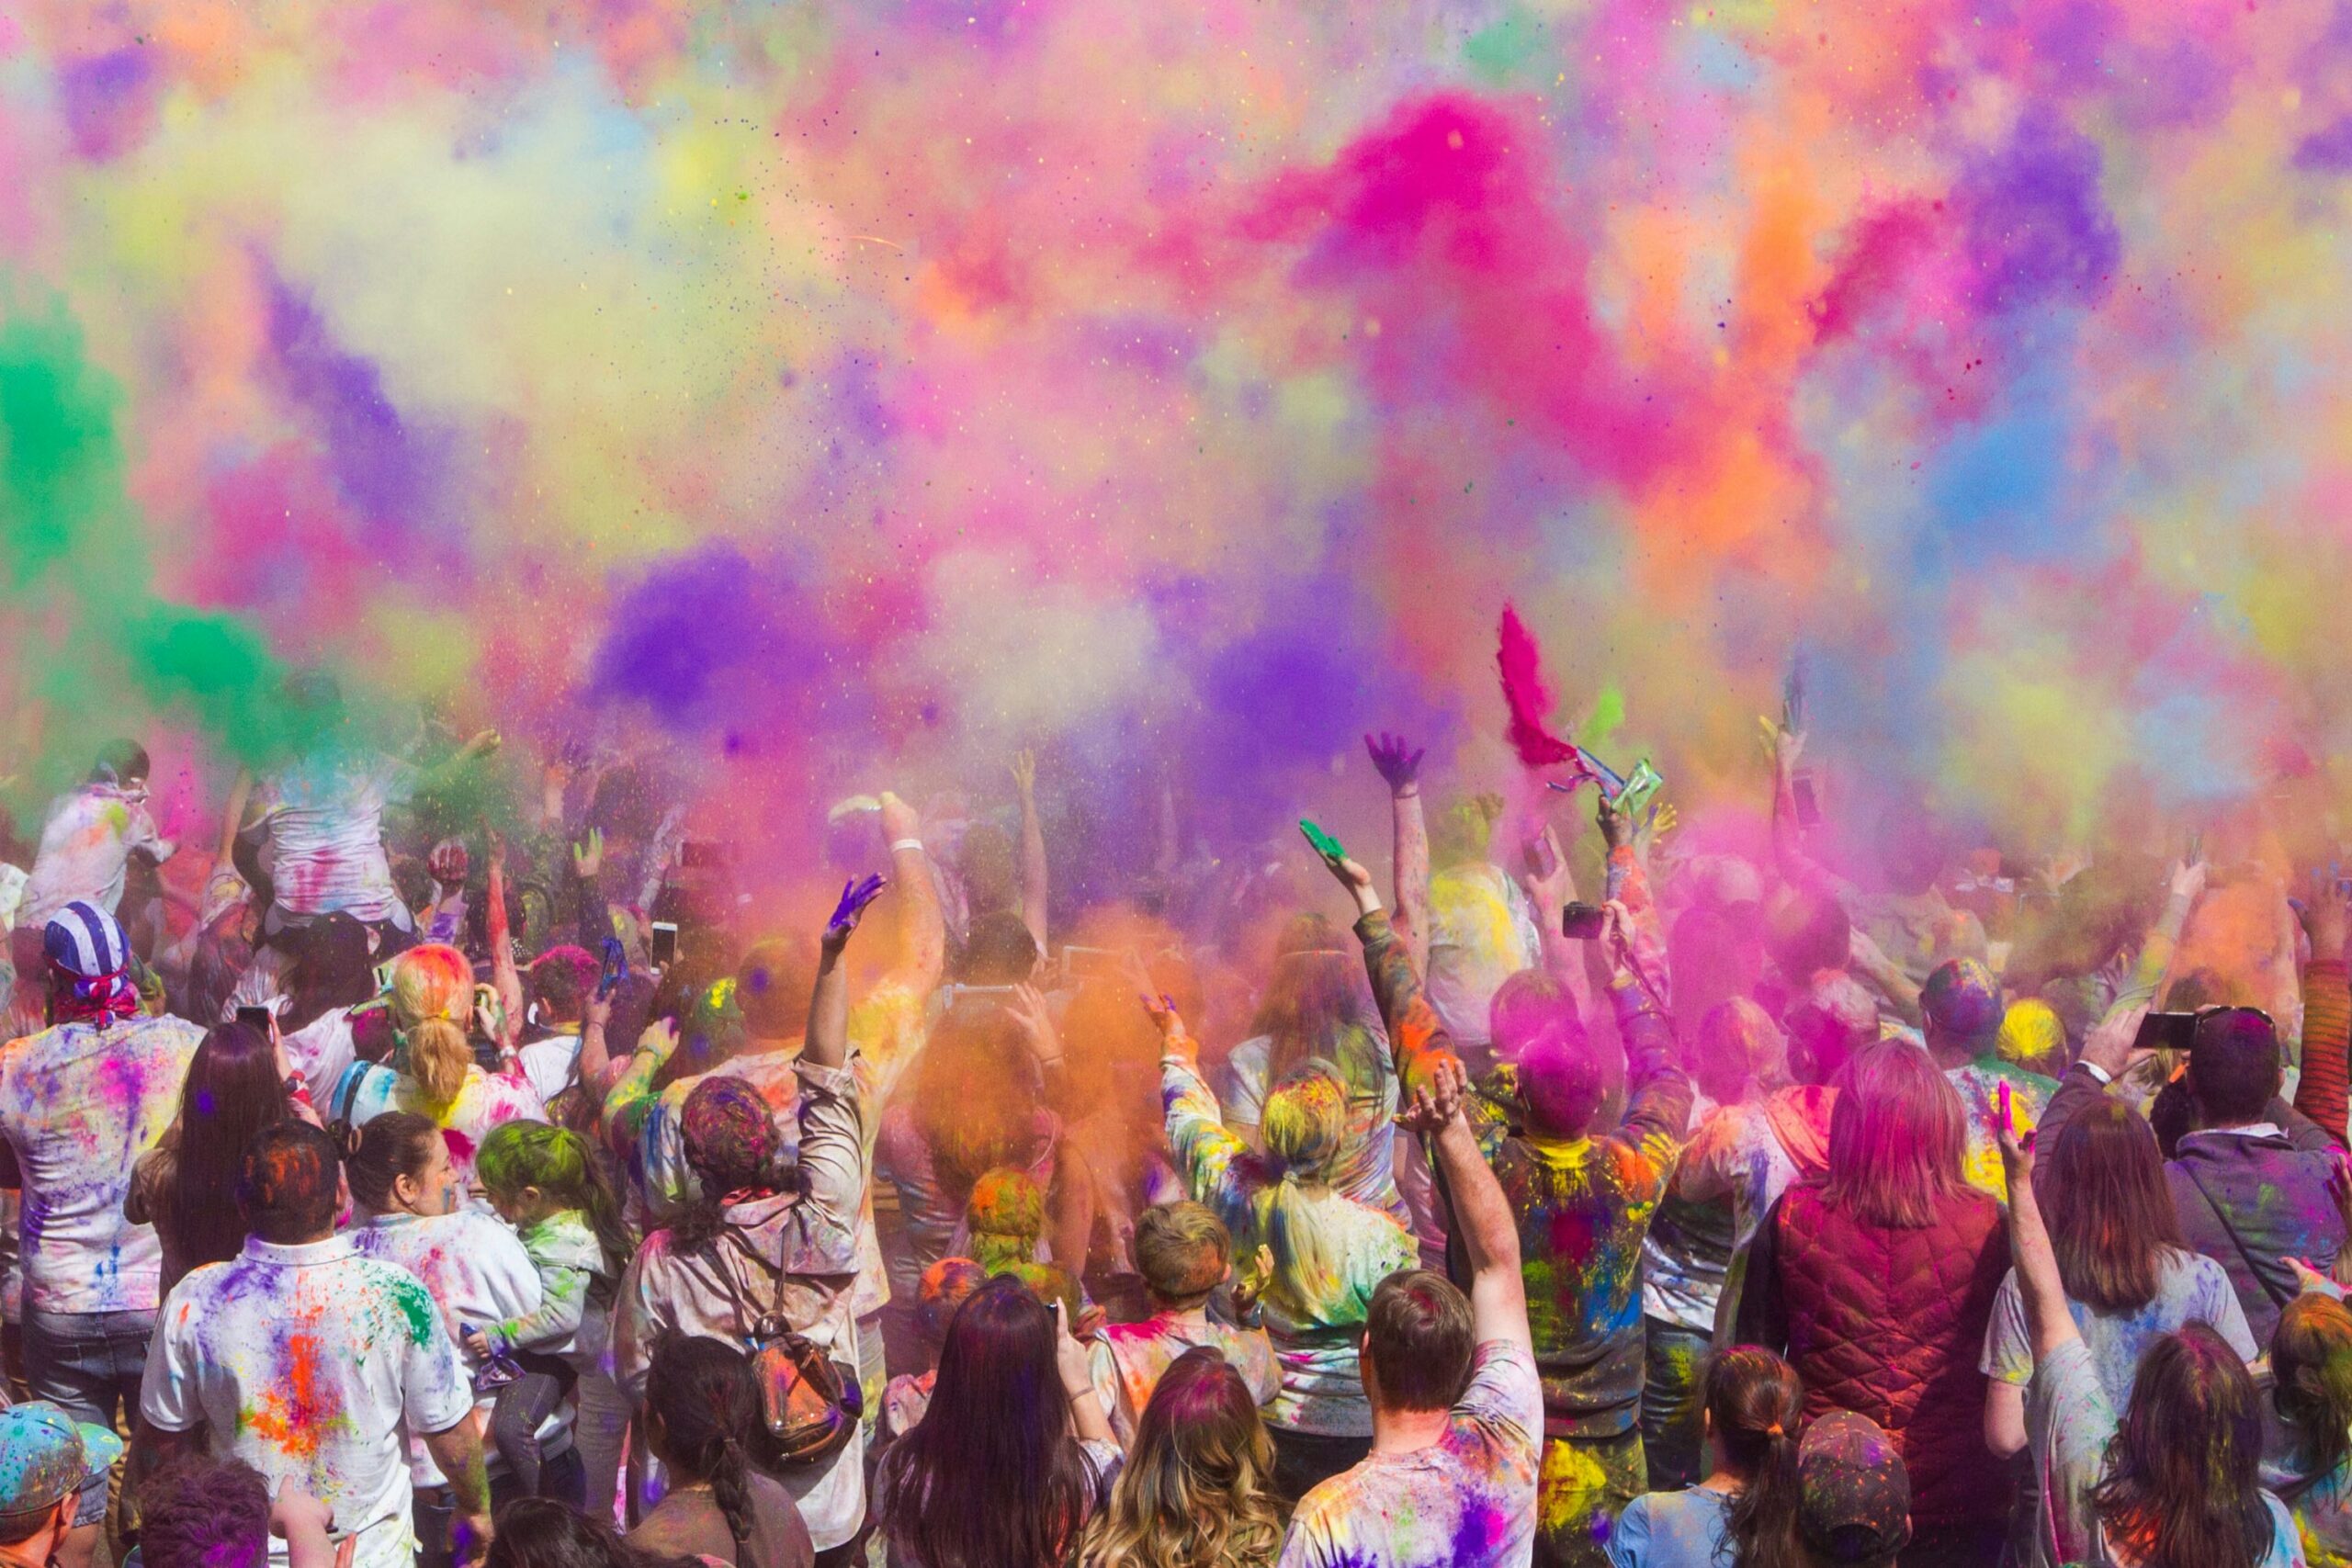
pixel 1483 1223
pixel 2047 1321
pixel 1035 886
pixel 1207 1154
pixel 1629 887
pixel 923 945
pixel 595 1046
pixel 1415 1038
pixel 1659 1094
pixel 1400 766
pixel 233 816
pixel 502 973
pixel 2147 977
pixel 2320 1091
pixel 2108 1053
pixel 827 1042
pixel 595 923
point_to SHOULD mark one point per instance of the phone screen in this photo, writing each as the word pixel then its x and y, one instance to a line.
pixel 664 947
pixel 255 1018
pixel 1808 804
pixel 1583 922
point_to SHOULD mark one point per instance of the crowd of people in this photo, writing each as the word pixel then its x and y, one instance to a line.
pixel 434 1196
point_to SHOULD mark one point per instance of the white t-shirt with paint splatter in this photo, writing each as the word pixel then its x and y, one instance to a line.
pixel 1465 1501
pixel 85 848
pixel 310 1363
pixel 78 1106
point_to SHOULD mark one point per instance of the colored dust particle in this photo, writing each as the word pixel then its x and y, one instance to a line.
pixel 1181 391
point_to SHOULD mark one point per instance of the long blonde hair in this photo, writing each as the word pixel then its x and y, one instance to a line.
pixel 1196 1490
pixel 1305 1125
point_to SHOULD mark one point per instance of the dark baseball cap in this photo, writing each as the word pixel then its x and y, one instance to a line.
pixel 1855 1501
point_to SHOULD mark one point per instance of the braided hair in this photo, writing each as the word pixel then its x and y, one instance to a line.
pixel 701 1393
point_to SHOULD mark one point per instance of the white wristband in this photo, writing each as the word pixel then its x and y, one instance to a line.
pixel 914 845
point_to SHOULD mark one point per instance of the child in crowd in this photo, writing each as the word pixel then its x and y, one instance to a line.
pixel 545 1182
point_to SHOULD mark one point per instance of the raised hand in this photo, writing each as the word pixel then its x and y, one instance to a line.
pixel 1250 1283
pixel 1436 1100
pixel 2108 1046
pixel 1070 1356
pixel 1173 1036
pixel 1614 831
pixel 1028 1011
pixel 2017 1149
pixel 1547 889
pixel 1399 762
pixel 1025 772
pixel 855 895
pixel 588 854
pixel 1783 745
pixel 2322 915
pixel 449 862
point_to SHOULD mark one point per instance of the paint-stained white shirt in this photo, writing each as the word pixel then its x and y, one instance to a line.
pixel 310 1363
pixel 78 1106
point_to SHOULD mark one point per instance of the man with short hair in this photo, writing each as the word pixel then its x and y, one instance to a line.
pixel 80 1102
pixel 2249 1198
pixel 1457 1414
pixel 311 1363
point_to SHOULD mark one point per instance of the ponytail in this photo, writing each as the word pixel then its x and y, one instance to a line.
pixel 1757 1400
pixel 1304 1125
pixel 438 1060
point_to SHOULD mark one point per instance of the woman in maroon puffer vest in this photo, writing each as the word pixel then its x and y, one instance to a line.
pixel 1877 1284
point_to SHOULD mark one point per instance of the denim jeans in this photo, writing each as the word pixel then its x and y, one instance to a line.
pixel 1673 1400
pixel 87 1362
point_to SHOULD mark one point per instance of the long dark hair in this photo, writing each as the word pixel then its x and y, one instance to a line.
pixel 2311 1357
pixel 1756 1402
pixel 1318 1002
pixel 2110 1210
pixel 2182 1489
pixel 331 970
pixel 702 1392
pixel 232 1093
pixel 992 1478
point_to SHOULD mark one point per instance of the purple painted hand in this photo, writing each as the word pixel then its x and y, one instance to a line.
pixel 1397 763
pixel 855 896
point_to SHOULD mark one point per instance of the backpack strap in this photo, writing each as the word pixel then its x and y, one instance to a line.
pixel 2222 1214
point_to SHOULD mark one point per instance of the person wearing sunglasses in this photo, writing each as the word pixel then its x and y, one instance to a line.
pixel 2249 1176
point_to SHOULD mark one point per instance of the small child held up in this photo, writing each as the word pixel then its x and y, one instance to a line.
pixel 545 1182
